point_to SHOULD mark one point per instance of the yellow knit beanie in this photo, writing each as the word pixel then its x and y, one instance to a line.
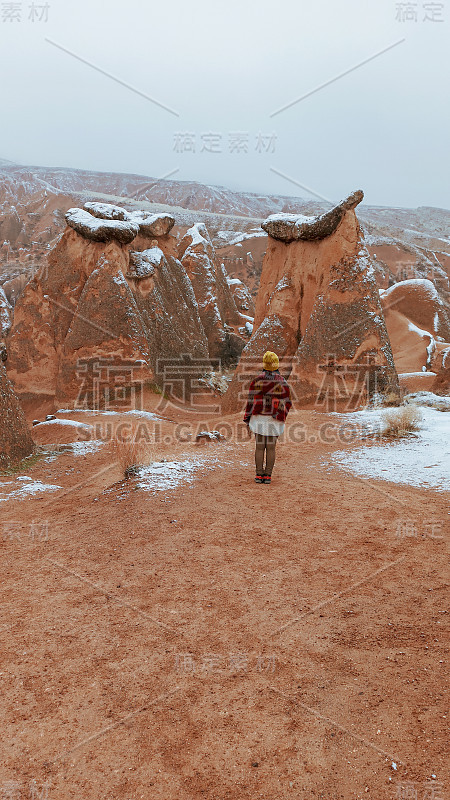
pixel 270 361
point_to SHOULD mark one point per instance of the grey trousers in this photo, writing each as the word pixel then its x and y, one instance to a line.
pixel 265 446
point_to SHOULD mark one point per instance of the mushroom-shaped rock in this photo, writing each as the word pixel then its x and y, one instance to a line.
pixel 156 225
pixel 144 263
pixel 289 227
pixel 80 310
pixel 101 230
pixel 318 308
pixel 107 211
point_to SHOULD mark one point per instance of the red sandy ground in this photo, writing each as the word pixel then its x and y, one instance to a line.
pixel 144 653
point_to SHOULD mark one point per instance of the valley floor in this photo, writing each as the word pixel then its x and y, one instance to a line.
pixel 220 639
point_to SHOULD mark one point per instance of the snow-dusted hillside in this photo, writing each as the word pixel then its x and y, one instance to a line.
pixel 404 243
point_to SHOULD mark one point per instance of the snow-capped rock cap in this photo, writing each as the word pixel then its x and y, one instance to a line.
pixel 107 211
pixel 289 227
pixel 101 230
pixel 156 225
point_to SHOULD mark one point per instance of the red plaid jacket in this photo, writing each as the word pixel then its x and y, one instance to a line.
pixel 268 394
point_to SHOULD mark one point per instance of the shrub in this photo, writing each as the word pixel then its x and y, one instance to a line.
pixel 399 422
pixel 131 455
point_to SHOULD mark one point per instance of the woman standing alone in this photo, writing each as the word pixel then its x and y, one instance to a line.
pixel 269 402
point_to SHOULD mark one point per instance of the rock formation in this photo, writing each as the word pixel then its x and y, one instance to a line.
pixel 405 243
pixel 216 305
pixel 99 229
pixel 291 227
pixel 441 366
pixel 14 287
pixel 15 439
pixel 418 300
pixel 242 297
pixel 5 315
pixel 242 254
pixel 102 317
pixel 156 225
pixel 106 211
pixel 10 225
pixel 419 330
pixel 318 308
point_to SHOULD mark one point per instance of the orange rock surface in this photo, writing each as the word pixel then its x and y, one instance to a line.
pixel 318 308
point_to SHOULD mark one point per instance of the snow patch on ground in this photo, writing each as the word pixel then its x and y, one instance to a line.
pixel 422 461
pixel 163 475
pixel 75 449
pixel 72 423
pixel 248 319
pixel 29 488
pixel 424 371
pixel 85 448
pixel 140 414
pixel 427 398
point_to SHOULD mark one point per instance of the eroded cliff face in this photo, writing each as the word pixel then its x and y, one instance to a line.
pixel 318 307
pixel 15 439
pixel 5 317
pixel 419 331
pixel 216 305
pixel 114 292
pixel 45 311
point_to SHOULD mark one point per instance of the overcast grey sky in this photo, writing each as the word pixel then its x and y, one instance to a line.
pixel 224 68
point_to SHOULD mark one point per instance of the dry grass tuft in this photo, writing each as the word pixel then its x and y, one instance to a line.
pixel 134 454
pixel 400 422
pixel 131 455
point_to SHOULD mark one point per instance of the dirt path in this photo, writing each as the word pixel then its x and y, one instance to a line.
pixel 224 640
